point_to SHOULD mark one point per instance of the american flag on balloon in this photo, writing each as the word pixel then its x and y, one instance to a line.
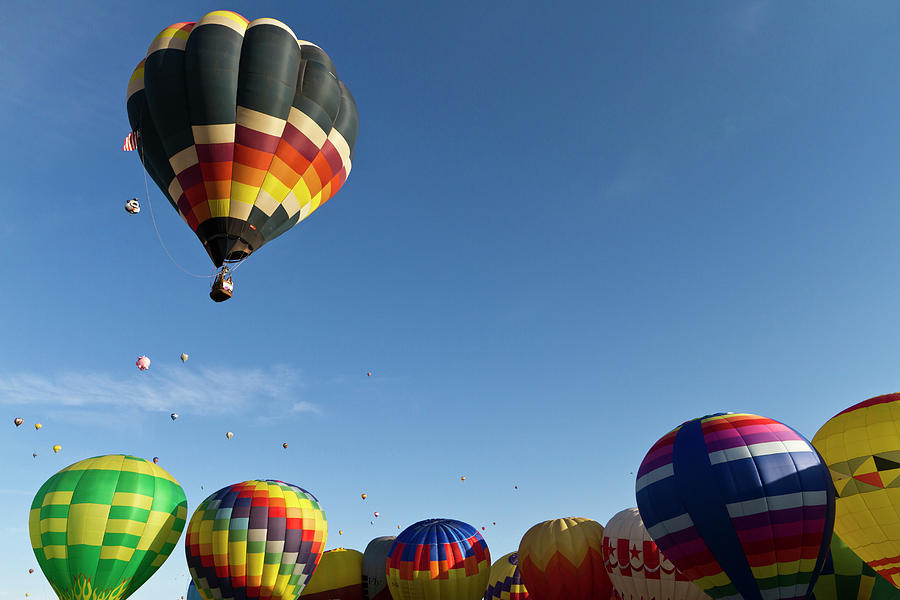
pixel 130 142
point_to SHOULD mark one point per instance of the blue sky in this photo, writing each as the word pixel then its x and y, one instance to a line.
pixel 566 231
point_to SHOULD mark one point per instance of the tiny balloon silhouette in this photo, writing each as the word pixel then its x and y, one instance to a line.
pixel 56 448
pixel 37 425
pixel 184 357
pixel 229 435
pixel 18 421
pixel 284 445
pixel 363 496
pixel 142 363
pixel 155 460
pixel 173 416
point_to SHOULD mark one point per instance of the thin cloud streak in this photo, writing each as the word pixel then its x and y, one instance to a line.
pixel 191 391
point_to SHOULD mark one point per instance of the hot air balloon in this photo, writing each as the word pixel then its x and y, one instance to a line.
pixel 338 577
pixel 37 425
pixel 133 207
pixel 438 558
pixel 122 508
pixel 155 460
pixel 505 582
pixel 562 559
pixel 184 358
pixel 142 363
pixel 845 575
pixel 262 530
pixel 861 446
pixel 173 416
pixel 373 566
pixel 376 513
pixel 31 570
pixel 192 593
pixel 244 128
pixel 463 478
pixel 56 448
pixel 18 421
pixel 369 374
pixel 364 496
pixel 34 455
pixel 284 445
pixel 229 434
pixel 741 504
pixel 636 568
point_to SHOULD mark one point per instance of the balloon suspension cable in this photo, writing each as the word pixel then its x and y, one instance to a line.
pixel 153 218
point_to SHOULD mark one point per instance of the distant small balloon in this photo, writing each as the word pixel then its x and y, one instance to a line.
pixel 517 487
pixel 173 416
pixel 369 374
pixel 463 478
pixel 37 425
pixel 340 532
pixel 155 460
pixel 57 448
pixel 376 514
pixel 31 570
pixel 371 522
pixel 184 357
pixel 18 421
pixel 284 445
pixel 229 435
pixel 142 363
pixel 34 454
pixel 495 522
pixel 482 527
pixel 363 496
pixel 398 527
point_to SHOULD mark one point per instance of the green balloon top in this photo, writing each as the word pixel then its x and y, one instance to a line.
pixel 102 526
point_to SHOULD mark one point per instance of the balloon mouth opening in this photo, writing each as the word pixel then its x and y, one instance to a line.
pixel 236 256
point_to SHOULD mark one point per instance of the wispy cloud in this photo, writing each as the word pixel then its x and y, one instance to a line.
pixel 191 391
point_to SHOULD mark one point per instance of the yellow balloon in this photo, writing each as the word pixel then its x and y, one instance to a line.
pixel 861 447
pixel 56 448
pixel 37 425
pixel 338 575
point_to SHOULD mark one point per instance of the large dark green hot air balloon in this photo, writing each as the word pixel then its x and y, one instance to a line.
pixel 246 129
pixel 101 527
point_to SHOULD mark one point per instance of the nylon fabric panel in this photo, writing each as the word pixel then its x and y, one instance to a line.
pixel 562 559
pixel 636 567
pixel 506 581
pixel 374 570
pixel 704 503
pixel 150 148
pixel 256 539
pixel 861 446
pixel 111 521
pixel 255 127
pixel 438 559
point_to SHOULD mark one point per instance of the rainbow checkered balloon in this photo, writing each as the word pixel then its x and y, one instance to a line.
pixel 256 539
pixel 102 526
pixel 741 504
pixel 439 559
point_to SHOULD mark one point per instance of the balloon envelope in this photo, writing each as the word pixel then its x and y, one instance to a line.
pixel 861 446
pixel 337 577
pixel 636 567
pixel 374 568
pixel 245 129
pixel 562 559
pixel 142 363
pixel 438 559
pixel 506 582
pixel 102 526
pixel 271 534
pixel 192 593
pixel 741 504
pixel 844 575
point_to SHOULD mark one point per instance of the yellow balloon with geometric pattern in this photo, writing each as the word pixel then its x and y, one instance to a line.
pixel 861 447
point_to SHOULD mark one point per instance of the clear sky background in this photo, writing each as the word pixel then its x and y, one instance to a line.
pixel 569 228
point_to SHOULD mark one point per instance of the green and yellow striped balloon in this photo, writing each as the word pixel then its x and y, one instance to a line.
pixel 101 527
